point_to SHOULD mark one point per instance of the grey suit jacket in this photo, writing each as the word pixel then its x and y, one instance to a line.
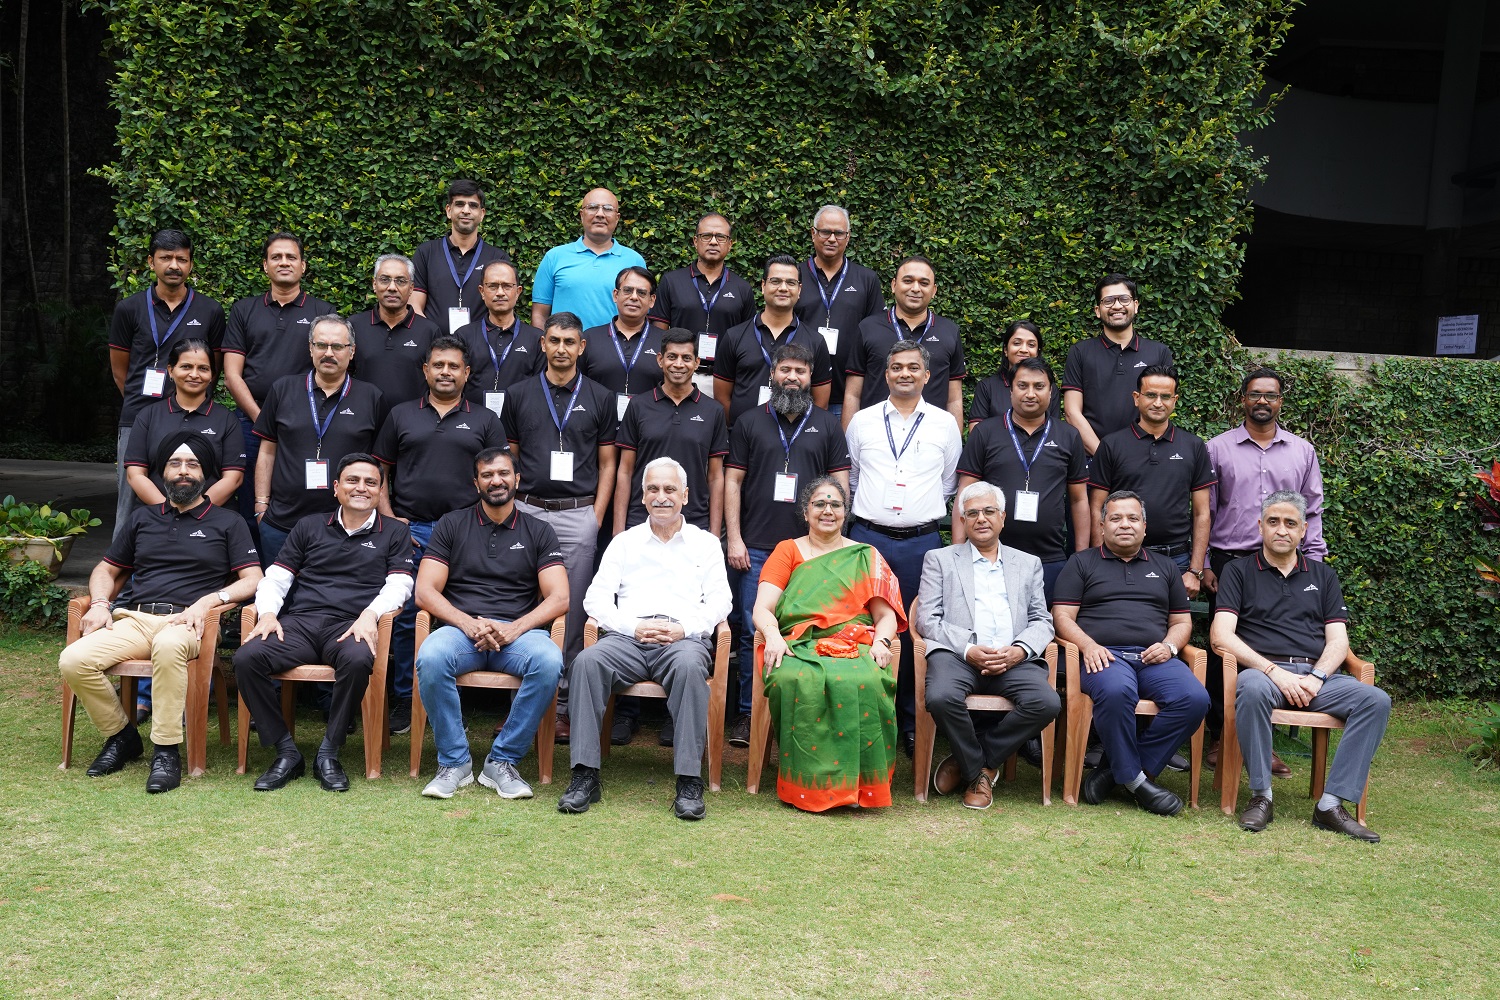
pixel 945 602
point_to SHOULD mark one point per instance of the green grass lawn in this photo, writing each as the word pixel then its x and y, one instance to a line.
pixel 215 891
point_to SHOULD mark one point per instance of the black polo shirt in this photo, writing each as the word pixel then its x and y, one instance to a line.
pixel 1282 615
pixel 130 330
pixel 992 399
pixel 177 558
pixel 164 419
pixel 390 357
pixel 878 334
pixel 755 447
pixel 853 294
pixel 687 299
pixel 692 432
pixel 1122 603
pixel 339 573
pixel 1165 471
pixel 433 456
pixel 431 260
pixel 286 418
pixel 517 348
pixel 493 568
pixel 533 434
pixel 601 362
pixel 1106 375
pixel 1057 459
pixel 743 360
pixel 271 337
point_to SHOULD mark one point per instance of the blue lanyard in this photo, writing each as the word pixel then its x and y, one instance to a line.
pixel 786 445
pixel 915 333
pixel 478 251
pixel 151 314
pixel 515 333
pixel 559 422
pixel 708 304
pixel 791 332
pixel 1027 463
pixel 312 405
pixel 909 435
pixel 838 285
pixel 639 347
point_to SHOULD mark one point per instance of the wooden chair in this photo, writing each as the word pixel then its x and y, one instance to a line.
pixel 494 680
pixel 760 716
pixel 927 726
pixel 1080 711
pixel 373 707
pixel 1231 762
pixel 200 677
pixel 718 686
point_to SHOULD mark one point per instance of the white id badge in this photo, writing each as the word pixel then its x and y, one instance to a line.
pixel 761 400
pixel 1026 504
pixel 895 496
pixel 495 401
pixel 705 384
pixel 707 345
pixel 317 474
pixel 831 337
pixel 458 318
pixel 784 489
pixel 622 400
pixel 562 467
pixel 156 381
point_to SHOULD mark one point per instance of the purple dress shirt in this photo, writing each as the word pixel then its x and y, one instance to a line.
pixel 1248 474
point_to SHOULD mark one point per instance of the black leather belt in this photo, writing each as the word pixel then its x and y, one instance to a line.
pixel 1171 550
pixel 1234 553
pixel 1290 659
pixel 157 609
pixel 912 532
pixel 569 503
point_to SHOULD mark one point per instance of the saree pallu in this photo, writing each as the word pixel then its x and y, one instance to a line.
pixel 833 710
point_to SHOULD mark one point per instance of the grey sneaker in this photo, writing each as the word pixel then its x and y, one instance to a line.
pixel 501 775
pixel 449 780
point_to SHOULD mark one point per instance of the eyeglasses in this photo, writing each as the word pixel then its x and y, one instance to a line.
pixel 1265 397
pixel 783 282
pixel 1158 397
pixel 320 347
pixel 385 280
pixel 500 286
pixel 603 208
pixel 633 293
pixel 990 512
pixel 827 505
pixel 1117 300
pixel 837 234
pixel 713 237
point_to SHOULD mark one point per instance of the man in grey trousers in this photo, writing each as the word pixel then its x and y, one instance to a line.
pixel 1282 617
pixel 983 615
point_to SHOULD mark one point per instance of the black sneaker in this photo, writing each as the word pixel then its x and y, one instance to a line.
pixel 623 731
pixel 689 801
pixel 582 791
pixel 119 750
pixel 739 733
pixel 400 716
pixel 166 770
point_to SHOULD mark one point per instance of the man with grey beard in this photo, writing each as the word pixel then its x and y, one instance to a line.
pixel 774 450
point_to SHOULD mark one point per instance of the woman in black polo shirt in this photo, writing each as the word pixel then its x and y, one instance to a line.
pixel 189 408
pixel 1023 339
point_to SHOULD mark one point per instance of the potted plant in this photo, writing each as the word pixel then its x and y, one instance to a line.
pixel 41 534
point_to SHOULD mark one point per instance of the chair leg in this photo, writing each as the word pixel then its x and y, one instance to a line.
pixel 418 728
pixel 1049 737
pixel 370 710
pixel 1227 774
pixel 1080 717
pixel 1195 771
pixel 1319 763
pixel 921 764
pixel 221 697
pixel 244 735
pixel 546 741
pixel 1364 800
pixel 69 704
pixel 760 731
pixel 1010 767
pixel 195 730
pixel 715 738
pixel 609 727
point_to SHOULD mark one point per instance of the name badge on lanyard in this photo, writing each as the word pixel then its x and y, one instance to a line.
pixel 627 366
pixel 495 402
pixel 458 318
pixel 784 486
pixel 622 401
pixel 316 470
pixel 1027 500
pixel 708 346
pixel 561 470
pixel 155 383
pixel 459 283
pixel 895 492
pixel 828 330
pixel 317 474
pixel 791 333
pixel 561 466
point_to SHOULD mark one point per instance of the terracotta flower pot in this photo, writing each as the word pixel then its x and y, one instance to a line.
pixel 50 552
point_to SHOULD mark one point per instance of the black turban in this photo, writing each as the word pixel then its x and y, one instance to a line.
pixel 207 457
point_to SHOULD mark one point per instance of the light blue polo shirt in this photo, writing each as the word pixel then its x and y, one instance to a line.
pixel 574 278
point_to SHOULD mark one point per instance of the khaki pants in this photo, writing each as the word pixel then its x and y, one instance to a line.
pixel 135 636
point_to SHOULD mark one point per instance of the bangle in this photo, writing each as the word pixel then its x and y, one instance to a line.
pixel 887 642
pixel 98 602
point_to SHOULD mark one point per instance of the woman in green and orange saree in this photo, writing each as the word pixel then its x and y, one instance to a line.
pixel 829 609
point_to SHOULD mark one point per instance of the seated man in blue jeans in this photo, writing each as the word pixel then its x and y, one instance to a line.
pixel 1126 610
pixel 494 577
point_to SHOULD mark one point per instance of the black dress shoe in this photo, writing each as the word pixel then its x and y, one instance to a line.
pixel 166 771
pixel 1153 798
pixel 1257 815
pixel 1338 820
pixel 909 745
pixel 666 737
pixel 623 731
pixel 1177 762
pixel 281 771
pixel 331 774
pixel 119 750
pixel 1098 785
pixel 1031 752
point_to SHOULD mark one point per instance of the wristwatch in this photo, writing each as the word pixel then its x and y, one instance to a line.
pixel 886 641
pixel 1173 648
pixel 1319 675
pixel 1196 572
pixel 223 597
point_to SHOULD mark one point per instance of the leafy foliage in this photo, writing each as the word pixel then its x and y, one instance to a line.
pixel 24 520
pixel 29 597
pixel 1485 751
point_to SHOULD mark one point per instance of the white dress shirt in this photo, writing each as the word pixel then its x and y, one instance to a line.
pixel 993 625
pixel 642 576
pixel 926 467
pixel 271 593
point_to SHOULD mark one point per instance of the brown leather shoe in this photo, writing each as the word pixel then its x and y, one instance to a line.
pixel 981 792
pixel 564 731
pixel 945 777
pixel 1338 820
pixel 1257 815
pixel 1279 768
pixel 1211 759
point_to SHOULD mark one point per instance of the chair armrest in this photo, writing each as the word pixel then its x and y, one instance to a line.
pixel 1049 655
pixel 77 608
pixel 559 631
pixel 1230 674
pixel 722 639
pixel 386 624
pixel 1197 661
pixel 248 618
pixel 423 627
pixel 1364 670
pixel 1071 665
pixel 590 632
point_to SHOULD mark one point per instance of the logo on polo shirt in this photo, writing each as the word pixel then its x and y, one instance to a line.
pixel 580 408
pixel 198 534
pixel 695 417
pixel 193 322
pixel 346 410
pixel 1141 364
pixel 1175 458
pixel 1152 575
pixel 933 339
pixel 1310 586
pixel 207 430
pixel 851 288
pixel 367 545
pixel 812 430
pixel 520 348
pixel 410 343
pixel 463 427
pixel 251 551
pixel 1050 444
pixel 516 546
pixel 304 321
pixel 650 351
pixel 729 295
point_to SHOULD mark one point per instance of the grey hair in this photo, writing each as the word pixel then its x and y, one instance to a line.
pixel 979 489
pixel 902 346
pixel 1286 496
pixel 329 318
pixel 665 462
pixel 1122 495
pixel 813 487
pixel 411 269
pixel 832 208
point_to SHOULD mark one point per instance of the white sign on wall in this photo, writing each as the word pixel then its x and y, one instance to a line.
pixel 1458 334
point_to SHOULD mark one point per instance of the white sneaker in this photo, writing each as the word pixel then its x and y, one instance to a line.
pixel 503 777
pixel 449 780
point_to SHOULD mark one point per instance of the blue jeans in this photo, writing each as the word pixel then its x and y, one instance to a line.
pixel 272 539
pixel 533 657
pixel 744 584
pixel 246 491
pixel 904 555
pixel 404 631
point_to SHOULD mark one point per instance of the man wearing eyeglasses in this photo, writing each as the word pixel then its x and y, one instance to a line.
pixel 446 288
pixel 837 294
pixel 621 354
pixel 705 297
pixel 502 349
pixel 391 340
pixel 579 277
pixel 1101 372
pixel 743 367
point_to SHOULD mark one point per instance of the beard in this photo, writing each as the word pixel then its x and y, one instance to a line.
pixel 790 402
pixel 182 494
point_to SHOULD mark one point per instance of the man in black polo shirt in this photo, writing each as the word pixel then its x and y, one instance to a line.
pixel 143 331
pixel 705 297
pixel 427 446
pixel 305 425
pixel 183 558
pixel 561 427
pixel 1283 618
pixel 911 318
pixel 1168 467
pixel 447 278
pixel 390 341
pixel 836 295
pixel 493 581
pixel 1101 372
pixel 621 355
pixel 1127 613
pixel 774 451
pixel 742 367
pixel 1040 463
pixel 502 349
pixel 354 558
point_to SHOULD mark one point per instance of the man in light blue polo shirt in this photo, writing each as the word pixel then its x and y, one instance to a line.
pixel 579 277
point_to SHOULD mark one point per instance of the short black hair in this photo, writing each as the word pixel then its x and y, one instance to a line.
pixel 791 352
pixel 782 259
pixel 639 272
pixel 564 320
pixel 1035 365
pixel 185 346
pixel 915 258
pixel 1262 372
pixel 1113 279
pixel 679 335
pixel 488 455
pixel 355 458
pixel 448 342
pixel 170 239
pixel 463 187
pixel 265 250
pixel 1159 371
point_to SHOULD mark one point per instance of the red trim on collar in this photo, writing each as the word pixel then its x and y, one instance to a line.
pixel 1170 436
pixel 1106 553
pixel 299 302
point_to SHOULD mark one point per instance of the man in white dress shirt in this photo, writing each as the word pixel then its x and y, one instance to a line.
pixel 903 454
pixel 657 597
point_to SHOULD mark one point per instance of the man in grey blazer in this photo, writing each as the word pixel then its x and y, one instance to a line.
pixel 982 612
